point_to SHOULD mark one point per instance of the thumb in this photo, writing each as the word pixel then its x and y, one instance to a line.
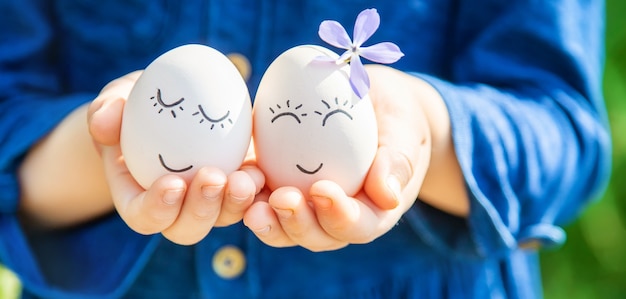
pixel 104 115
pixel 105 120
pixel 389 174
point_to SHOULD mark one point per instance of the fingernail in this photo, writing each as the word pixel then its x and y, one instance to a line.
pixel 394 186
pixel 171 197
pixel 96 105
pixel 239 198
pixel 211 192
pixel 283 213
pixel 263 231
pixel 322 202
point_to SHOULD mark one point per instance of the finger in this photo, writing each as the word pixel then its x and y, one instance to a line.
pixel 256 175
pixel 262 221
pixel 298 220
pixel 238 196
pixel 200 209
pixel 146 212
pixel 105 119
pixel 345 218
pixel 104 114
pixel 404 141
pixel 250 166
pixel 389 173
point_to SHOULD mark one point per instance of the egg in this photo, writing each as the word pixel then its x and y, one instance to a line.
pixel 190 108
pixel 309 125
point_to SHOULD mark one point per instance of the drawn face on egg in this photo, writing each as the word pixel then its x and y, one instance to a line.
pixel 176 106
pixel 188 109
pixel 310 126
pixel 322 114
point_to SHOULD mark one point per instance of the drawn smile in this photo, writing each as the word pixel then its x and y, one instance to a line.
pixel 173 169
pixel 309 171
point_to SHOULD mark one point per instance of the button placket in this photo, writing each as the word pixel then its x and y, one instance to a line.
pixel 222 263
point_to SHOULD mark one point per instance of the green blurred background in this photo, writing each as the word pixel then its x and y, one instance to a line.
pixel 592 264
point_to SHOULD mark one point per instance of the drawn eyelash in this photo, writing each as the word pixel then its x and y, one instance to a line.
pixel 213 121
pixel 287 113
pixel 163 105
pixel 340 108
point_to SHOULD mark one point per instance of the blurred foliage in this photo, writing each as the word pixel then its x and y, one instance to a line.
pixel 9 284
pixel 592 264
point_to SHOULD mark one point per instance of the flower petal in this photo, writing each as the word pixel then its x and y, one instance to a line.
pixel 366 24
pixel 333 33
pixel 344 57
pixel 382 52
pixel 359 80
pixel 323 59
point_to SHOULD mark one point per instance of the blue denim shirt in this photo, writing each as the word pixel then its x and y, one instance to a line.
pixel 521 80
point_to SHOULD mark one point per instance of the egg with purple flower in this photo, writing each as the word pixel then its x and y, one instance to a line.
pixel 309 124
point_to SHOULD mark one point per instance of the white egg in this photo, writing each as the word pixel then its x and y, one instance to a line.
pixel 309 125
pixel 190 108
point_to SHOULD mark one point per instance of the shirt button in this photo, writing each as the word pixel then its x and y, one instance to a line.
pixel 242 64
pixel 229 262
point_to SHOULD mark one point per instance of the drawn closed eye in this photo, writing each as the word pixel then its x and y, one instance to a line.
pixel 278 114
pixel 163 105
pixel 341 109
pixel 213 121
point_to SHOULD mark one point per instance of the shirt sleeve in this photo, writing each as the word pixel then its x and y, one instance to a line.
pixel 32 103
pixel 529 124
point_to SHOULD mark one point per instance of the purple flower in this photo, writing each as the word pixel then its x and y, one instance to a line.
pixel 366 24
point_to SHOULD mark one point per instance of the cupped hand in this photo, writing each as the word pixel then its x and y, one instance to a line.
pixel 324 217
pixel 183 212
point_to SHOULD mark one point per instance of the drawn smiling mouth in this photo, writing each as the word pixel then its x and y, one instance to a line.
pixel 173 169
pixel 309 171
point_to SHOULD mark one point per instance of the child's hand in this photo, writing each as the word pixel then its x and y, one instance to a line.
pixel 325 218
pixel 182 213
